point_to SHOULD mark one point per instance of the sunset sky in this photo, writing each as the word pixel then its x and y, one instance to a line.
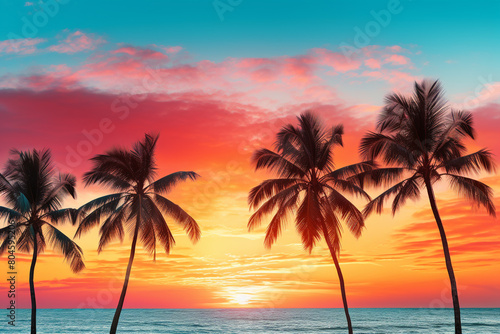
pixel 217 79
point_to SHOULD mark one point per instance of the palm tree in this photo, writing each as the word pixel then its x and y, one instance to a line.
pixel 138 204
pixel 34 194
pixel 309 187
pixel 421 139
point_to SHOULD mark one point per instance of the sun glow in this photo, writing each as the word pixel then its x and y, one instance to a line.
pixel 244 295
pixel 242 298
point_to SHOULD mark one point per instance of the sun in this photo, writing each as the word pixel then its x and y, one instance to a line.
pixel 248 296
pixel 242 298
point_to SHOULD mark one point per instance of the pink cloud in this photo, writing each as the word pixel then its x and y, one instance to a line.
pixel 268 82
pixel 379 56
pixel 77 42
pixel 398 59
pixel 20 46
pixel 141 53
pixel 173 49
pixel 259 69
pixel 394 77
pixel 395 48
pixel 373 63
pixel 487 92
pixel 301 69
pixel 337 61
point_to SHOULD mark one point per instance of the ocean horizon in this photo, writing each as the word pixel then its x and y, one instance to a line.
pixel 259 320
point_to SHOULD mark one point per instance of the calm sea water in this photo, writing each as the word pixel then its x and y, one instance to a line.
pixel 372 321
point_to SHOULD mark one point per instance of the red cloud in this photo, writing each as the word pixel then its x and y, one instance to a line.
pixel 470 236
pixel 196 128
pixel 487 122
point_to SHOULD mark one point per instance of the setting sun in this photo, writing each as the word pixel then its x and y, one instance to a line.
pixel 242 298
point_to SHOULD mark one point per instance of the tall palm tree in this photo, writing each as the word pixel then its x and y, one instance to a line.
pixel 138 204
pixel 309 187
pixel 34 194
pixel 421 139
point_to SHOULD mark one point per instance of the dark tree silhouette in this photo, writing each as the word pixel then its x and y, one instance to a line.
pixel 34 193
pixel 138 204
pixel 421 141
pixel 308 187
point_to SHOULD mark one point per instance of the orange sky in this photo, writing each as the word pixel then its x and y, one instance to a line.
pixel 397 262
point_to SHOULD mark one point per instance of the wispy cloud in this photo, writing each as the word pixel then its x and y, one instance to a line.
pixel 20 46
pixel 76 42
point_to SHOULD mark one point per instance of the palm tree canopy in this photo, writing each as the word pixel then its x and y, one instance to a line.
pixel 419 138
pixel 34 193
pixel 131 174
pixel 307 184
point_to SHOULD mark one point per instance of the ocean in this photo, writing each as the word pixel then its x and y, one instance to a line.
pixel 263 321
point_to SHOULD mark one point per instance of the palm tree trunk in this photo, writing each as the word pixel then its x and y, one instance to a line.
pixel 32 283
pixel 446 250
pixel 118 311
pixel 341 279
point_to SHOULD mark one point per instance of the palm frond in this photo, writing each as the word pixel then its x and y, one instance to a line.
pixel 277 224
pixel 476 191
pixel 272 204
pixel 105 178
pixel 112 227
pixel 147 234
pixel 166 183
pixel 62 215
pixel 5 234
pixel 392 149
pixel 9 213
pixel 471 163
pixel 348 211
pixel 71 251
pixel 268 189
pixel 275 162
pixel 350 188
pixel 460 124
pixel 308 220
pixel 144 152
pixel 161 228
pixel 449 149
pixel 180 216
pixel 377 177
pixel 92 219
pixel 112 169
pixel 333 228
pixel 95 203
pixel 377 203
pixel 5 185
pixel 350 170
pixel 25 240
pixel 410 190
pixel 64 186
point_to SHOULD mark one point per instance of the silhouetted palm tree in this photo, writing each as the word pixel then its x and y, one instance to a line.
pixel 138 203
pixel 309 187
pixel 421 139
pixel 35 193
